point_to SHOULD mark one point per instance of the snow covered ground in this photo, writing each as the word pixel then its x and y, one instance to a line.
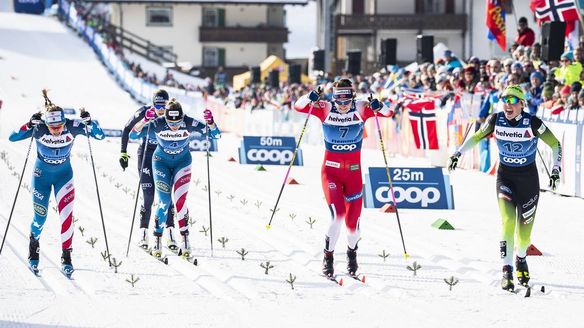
pixel 223 290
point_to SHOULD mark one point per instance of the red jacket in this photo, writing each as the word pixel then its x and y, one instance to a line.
pixel 527 38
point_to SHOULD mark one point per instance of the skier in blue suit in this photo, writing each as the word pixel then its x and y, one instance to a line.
pixel 54 135
pixel 171 163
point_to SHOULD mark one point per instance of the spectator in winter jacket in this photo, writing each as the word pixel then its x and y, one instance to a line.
pixel 569 72
pixel 534 95
pixel 525 35
pixel 451 61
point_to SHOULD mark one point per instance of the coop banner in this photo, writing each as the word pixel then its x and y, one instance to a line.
pixel 414 187
pixel 269 151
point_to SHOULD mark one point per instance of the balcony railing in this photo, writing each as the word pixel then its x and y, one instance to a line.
pixel 266 34
pixel 401 22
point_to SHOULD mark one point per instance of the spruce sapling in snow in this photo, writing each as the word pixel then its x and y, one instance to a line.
pixel 292 216
pixel 242 253
pixel 118 185
pixel 243 202
pixel 116 264
pixel 204 230
pixel 451 282
pixel 223 241
pixel 105 255
pixel 414 267
pixel 383 255
pixel 192 221
pixel 291 280
pixel 258 204
pixel 91 241
pixel 133 280
pixel 197 181
pixel 267 266
pixel 205 188
pixel 82 230
pixel 230 197
pixel 218 192
pixel 310 221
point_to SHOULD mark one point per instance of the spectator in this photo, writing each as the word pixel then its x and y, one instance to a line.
pixel 451 61
pixel 525 35
pixel 534 94
pixel 220 78
pixel 570 71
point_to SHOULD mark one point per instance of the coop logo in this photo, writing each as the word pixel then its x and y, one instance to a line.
pixel 416 188
pixel 510 160
pixel 350 147
pixel 412 195
pixel 39 209
pixel 275 156
pixel 199 145
pixel 269 151
pixel 162 186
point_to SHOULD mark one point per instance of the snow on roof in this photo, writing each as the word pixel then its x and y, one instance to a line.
pixel 235 2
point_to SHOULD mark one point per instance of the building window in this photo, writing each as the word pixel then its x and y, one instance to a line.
pixel 213 17
pixel 213 57
pixel 158 16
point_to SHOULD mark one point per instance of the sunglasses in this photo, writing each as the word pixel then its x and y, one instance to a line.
pixel 343 102
pixel 174 123
pixel 158 107
pixel 511 100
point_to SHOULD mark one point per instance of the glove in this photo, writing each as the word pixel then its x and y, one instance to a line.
pixel 375 104
pixel 124 157
pixel 149 114
pixel 453 162
pixel 314 95
pixel 86 117
pixel 35 120
pixel 555 177
pixel 208 116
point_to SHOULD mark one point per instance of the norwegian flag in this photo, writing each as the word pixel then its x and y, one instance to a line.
pixel 423 120
pixel 555 10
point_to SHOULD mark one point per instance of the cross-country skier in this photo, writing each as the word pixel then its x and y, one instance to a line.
pixel 159 100
pixel 172 165
pixel 343 121
pixel 516 133
pixel 54 135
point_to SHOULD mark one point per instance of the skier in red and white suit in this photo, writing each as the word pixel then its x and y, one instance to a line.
pixel 343 121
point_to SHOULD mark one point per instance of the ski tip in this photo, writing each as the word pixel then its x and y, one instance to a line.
pixel 268 227
pixel 341 282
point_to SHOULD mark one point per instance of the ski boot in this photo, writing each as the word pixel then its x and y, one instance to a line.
pixel 352 265
pixel 156 250
pixel 33 255
pixel 522 271
pixel 143 243
pixel 170 241
pixel 507 280
pixel 185 245
pixel 66 265
pixel 327 264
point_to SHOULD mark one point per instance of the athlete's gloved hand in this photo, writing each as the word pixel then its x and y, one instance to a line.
pixel 314 95
pixel 124 157
pixel 35 120
pixel 375 104
pixel 555 177
pixel 149 114
pixel 86 117
pixel 453 162
pixel 208 116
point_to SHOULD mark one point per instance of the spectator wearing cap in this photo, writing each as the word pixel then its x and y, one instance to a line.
pixel 451 61
pixel 575 89
pixel 475 62
pixel 569 72
pixel 525 35
pixel 581 99
pixel 517 68
pixel 534 94
pixel 579 55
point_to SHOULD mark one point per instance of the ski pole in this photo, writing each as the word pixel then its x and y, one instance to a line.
pixel 269 225
pixel 17 189
pixel 97 190
pixel 406 255
pixel 543 162
pixel 209 187
pixel 138 189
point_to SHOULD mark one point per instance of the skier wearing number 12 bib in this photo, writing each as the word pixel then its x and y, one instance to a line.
pixel 516 133
pixel 343 121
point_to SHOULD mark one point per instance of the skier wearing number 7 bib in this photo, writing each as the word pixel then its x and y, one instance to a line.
pixel 343 121
pixel 516 133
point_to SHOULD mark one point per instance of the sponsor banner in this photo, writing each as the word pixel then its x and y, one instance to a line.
pixel 29 6
pixel 415 187
pixel 69 112
pixel 199 142
pixel 112 133
pixel 269 151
